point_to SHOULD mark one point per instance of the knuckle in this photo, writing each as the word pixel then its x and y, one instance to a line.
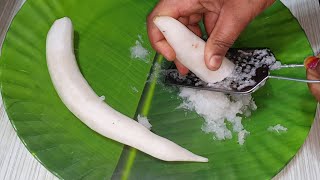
pixel 223 43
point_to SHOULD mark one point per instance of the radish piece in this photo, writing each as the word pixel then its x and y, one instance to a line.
pixel 82 101
pixel 189 49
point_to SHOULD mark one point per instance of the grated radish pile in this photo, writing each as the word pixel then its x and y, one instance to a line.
pixel 218 109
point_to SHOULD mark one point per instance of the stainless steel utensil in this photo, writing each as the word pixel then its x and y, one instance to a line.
pixel 248 61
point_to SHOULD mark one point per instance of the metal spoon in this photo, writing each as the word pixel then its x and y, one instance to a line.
pixel 246 60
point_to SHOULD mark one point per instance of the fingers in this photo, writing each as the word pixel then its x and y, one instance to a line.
pixel 210 20
pixel 220 40
pixel 175 9
pixel 195 29
pixel 313 73
pixel 314 87
pixel 228 27
pixel 156 38
pixel 230 20
pixel 194 19
pixel 192 22
pixel 163 47
pixel 181 68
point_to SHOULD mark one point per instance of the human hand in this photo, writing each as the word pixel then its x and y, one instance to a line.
pixel 224 21
pixel 313 73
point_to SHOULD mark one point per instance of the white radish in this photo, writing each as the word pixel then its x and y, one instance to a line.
pixel 189 49
pixel 82 101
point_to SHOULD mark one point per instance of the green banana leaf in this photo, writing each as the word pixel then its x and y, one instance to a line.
pixel 104 33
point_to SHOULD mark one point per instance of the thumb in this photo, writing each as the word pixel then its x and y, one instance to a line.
pixel 222 37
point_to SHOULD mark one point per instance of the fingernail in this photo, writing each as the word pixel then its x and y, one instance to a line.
pixel 214 62
pixel 311 62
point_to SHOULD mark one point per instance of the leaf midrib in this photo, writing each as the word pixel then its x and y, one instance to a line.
pixel 142 109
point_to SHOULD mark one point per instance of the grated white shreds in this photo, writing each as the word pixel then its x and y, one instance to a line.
pixel 144 121
pixel 102 98
pixel 276 65
pixel 277 128
pixel 134 89
pixel 139 52
pixel 217 109
pixel 242 135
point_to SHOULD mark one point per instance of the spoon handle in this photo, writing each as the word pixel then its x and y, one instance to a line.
pixel 294 79
pixel 291 66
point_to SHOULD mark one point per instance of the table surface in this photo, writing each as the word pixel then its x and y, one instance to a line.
pixel 17 163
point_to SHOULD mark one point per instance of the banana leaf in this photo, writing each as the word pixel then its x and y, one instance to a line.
pixel 104 33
